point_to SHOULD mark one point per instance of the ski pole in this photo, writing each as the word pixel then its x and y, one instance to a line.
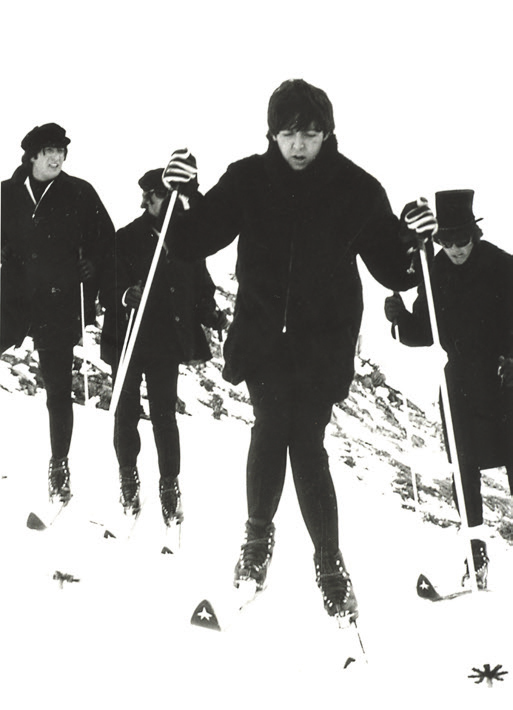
pixel 84 347
pixel 127 335
pixel 123 367
pixel 448 417
pixel 405 417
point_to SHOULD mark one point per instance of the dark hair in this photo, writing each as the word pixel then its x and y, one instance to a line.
pixel 297 104
pixel 475 232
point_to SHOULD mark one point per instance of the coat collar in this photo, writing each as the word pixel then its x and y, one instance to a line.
pixel 28 185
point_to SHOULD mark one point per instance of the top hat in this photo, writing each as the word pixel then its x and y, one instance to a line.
pixel 49 134
pixel 152 180
pixel 454 211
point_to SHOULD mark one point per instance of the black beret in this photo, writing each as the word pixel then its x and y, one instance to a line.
pixel 49 134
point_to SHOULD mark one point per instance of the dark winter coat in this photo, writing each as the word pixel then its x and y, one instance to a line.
pixel 41 291
pixel 474 309
pixel 299 236
pixel 181 298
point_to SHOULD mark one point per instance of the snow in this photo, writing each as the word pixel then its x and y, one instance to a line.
pixel 121 637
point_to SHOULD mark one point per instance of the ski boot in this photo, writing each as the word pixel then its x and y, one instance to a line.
pixel 335 584
pixel 58 481
pixel 171 502
pixel 255 554
pixel 481 559
pixel 129 481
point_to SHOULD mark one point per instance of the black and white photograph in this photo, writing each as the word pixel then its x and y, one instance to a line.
pixel 256 355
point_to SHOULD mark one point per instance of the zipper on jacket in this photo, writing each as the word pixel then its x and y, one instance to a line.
pixel 287 295
pixel 36 203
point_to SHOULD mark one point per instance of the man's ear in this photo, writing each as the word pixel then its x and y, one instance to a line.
pixel 275 138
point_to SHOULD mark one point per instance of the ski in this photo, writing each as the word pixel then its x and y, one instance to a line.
pixel 206 617
pixel 222 617
pixel 356 653
pixel 123 530
pixel 172 536
pixel 126 525
pixel 129 524
pixel 45 521
pixel 426 590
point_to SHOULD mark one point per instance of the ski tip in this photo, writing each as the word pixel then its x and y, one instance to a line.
pixel 426 590
pixel 108 534
pixel 166 551
pixel 348 662
pixel 205 616
pixel 34 522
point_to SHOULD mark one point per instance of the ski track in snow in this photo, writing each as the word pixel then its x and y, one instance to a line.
pixel 121 637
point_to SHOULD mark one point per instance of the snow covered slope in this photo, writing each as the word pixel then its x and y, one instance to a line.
pixel 120 636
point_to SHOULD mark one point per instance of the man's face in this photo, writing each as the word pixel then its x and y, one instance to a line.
pixel 300 148
pixel 48 163
pixel 152 203
pixel 459 250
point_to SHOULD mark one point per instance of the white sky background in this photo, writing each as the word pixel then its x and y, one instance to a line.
pixel 421 92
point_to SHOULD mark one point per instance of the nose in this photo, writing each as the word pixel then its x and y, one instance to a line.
pixel 298 140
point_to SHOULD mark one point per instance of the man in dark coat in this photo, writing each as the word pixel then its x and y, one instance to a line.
pixel 180 300
pixel 303 213
pixel 55 234
pixel 472 282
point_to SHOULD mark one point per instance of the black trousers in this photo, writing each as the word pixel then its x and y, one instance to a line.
pixel 161 371
pixel 56 367
pixel 471 484
pixel 482 441
pixel 290 419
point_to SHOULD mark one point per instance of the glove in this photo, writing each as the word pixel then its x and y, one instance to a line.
pixel 506 371
pixel 86 269
pixel 222 321
pixel 418 223
pixel 394 307
pixel 217 320
pixel 133 295
pixel 181 173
